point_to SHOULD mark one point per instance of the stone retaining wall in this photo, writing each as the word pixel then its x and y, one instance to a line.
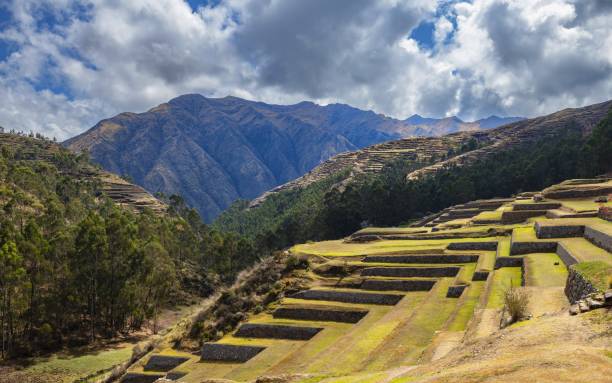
pixel 407 272
pixel 508 262
pixel 509 217
pixel 229 352
pixel 599 238
pixel 331 314
pixel 255 330
pixel 536 206
pixel 349 297
pixel 577 287
pixel 480 276
pixel 433 259
pixel 518 248
pixel 565 255
pixel 578 192
pixel 133 377
pixel 164 362
pixel 562 231
pixel 455 291
pixel 489 246
pixel 175 375
pixel 397 284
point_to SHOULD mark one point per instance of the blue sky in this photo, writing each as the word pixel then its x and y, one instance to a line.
pixel 66 64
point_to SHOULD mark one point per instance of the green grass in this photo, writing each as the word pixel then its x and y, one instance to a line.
pixel 339 248
pixel 350 352
pixel 542 271
pixel 465 274
pixel 407 343
pixel 502 279
pixel 503 250
pixel 494 215
pixel 486 260
pixel 524 234
pixel 597 272
pixel 466 310
pixel 585 251
pixel 69 368
pixel 580 205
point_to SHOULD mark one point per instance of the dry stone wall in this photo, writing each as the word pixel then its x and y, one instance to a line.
pixel 577 287
pixel 349 297
pixel 229 352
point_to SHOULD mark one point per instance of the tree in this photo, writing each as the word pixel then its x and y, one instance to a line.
pixel 12 275
pixel 91 250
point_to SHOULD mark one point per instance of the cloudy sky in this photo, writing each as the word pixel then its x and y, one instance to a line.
pixel 66 64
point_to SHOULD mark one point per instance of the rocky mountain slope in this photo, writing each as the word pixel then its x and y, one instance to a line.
pixel 214 151
pixel 454 149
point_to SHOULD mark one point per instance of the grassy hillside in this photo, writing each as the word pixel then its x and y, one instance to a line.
pixel 433 302
pixel 84 255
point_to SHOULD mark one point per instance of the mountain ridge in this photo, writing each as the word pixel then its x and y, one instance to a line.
pixel 214 151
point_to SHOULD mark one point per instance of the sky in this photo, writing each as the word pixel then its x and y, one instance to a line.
pixel 66 64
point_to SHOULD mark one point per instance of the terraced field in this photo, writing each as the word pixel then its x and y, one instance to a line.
pixel 387 299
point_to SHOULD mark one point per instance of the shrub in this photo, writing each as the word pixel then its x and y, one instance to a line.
pixel 516 302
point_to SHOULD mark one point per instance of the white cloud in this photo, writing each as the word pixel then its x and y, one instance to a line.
pixel 505 57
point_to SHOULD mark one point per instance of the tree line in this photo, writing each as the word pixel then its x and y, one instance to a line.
pixel 75 266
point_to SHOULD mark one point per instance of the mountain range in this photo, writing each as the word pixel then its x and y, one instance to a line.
pixel 213 151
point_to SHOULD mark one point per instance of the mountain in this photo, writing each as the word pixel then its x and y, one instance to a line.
pixel 425 126
pixel 399 181
pixel 213 151
pixel 434 153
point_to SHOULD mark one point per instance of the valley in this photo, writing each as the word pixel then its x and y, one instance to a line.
pixel 314 191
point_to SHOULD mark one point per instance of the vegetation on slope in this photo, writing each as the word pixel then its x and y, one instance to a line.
pixel 389 199
pixel 74 266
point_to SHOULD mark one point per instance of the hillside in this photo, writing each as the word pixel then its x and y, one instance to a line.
pixel 402 181
pixel 86 256
pixel 453 149
pixel 427 303
pixel 215 151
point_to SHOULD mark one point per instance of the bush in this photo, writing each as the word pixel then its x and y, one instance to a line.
pixel 516 302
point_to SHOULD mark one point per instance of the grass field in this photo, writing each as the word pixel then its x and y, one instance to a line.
pixel 545 270
pixel 339 248
pixel 502 279
pixel 68 368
